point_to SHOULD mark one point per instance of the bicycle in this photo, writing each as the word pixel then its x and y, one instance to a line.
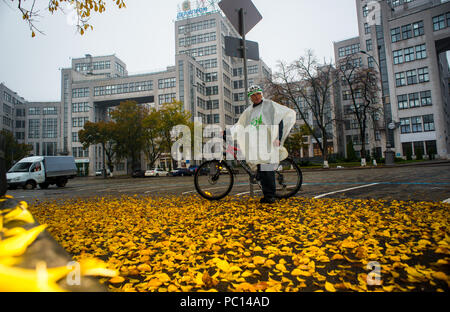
pixel 214 179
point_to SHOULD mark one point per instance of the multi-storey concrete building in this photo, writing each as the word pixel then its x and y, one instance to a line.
pixel 33 123
pixel 209 83
pixel 406 40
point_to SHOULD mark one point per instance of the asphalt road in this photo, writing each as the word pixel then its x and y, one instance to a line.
pixel 429 182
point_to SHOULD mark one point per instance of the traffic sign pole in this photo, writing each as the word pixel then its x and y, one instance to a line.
pixel 244 54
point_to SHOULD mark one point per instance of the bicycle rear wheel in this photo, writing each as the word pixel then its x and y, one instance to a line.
pixel 288 179
pixel 214 179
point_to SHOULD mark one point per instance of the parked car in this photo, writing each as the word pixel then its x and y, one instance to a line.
pixel 138 173
pixel 100 172
pixel 156 172
pixel 181 172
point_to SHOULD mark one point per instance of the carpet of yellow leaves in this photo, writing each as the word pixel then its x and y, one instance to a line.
pixel 189 244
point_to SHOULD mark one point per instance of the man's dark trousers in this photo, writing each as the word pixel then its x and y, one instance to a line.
pixel 267 179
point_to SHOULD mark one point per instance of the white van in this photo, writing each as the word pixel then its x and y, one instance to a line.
pixel 41 170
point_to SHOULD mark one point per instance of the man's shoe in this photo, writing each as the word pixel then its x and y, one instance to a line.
pixel 267 200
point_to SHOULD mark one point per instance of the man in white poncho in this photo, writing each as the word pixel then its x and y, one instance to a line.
pixel 264 115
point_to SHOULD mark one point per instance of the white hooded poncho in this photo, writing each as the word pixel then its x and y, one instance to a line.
pixel 268 113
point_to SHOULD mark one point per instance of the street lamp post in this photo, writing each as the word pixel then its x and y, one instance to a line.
pixel 389 153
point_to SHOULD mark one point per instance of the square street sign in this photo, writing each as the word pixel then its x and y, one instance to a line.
pixel 231 10
pixel 233 47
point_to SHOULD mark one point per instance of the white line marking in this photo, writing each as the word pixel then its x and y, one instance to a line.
pixel 349 189
pixel 447 201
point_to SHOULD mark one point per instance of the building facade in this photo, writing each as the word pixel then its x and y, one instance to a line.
pixel 209 83
pixel 406 41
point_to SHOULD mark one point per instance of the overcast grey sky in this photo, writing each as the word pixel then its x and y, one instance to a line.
pixel 142 35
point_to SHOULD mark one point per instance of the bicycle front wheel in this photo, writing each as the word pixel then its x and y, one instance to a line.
pixel 288 179
pixel 214 179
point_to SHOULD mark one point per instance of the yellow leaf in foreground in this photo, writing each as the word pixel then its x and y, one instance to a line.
pixel 17 245
pixel 117 280
pixel 329 287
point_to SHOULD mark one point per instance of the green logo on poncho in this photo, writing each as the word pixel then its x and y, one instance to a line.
pixel 256 122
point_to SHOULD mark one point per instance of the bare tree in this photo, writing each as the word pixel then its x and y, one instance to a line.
pixel 361 85
pixel 308 85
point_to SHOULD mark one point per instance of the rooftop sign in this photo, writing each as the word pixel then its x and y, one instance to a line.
pixel 188 9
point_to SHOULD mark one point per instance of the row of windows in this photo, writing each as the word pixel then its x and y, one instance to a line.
pixel 101 65
pixel 441 21
pixel 202 51
pixel 396 3
pixel 33 111
pixel 80 152
pixel 418 52
pixel 349 50
pixel 49 128
pixel 183 29
pixel 417 124
pixel 407 31
pixel 416 99
pixel 166 98
pixel 79 121
pixel 124 88
pixel 80 92
pixel 209 105
pixel 7 109
pixel 411 77
pixel 251 70
pixel 183 42
pixel 7 121
pixel 211 63
pixel 82 107
pixel 167 83
pixel 20 112
pixel 407 147
pixel 120 69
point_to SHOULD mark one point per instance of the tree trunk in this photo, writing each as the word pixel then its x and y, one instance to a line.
pixel 104 163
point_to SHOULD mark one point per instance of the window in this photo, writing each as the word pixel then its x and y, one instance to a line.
pixel 370 62
pixel 409 54
pixel 421 51
pixel 366 28
pixel 407 32
pixel 418 29
pixel 428 123
pixel 405 125
pixel 414 100
pixel 369 45
pixel 402 101
pixel 166 98
pixel 253 69
pixel 75 137
pixel 400 79
pixel 425 98
pixel 80 92
pixel 423 74
pixel 214 90
pixel 20 124
pixel 50 128
pixel 34 126
pixel 395 34
pixel 50 111
pixel 213 104
pixel 398 56
pixel 210 77
pixel 439 22
pixel 20 135
pixel 418 148
pixel 20 112
pixel 238 84
pixel 79 121
pixel 34 111
pixel 80 107
pixel 416 124
pixel 167 83
pixel 411 77
pixel 365 11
